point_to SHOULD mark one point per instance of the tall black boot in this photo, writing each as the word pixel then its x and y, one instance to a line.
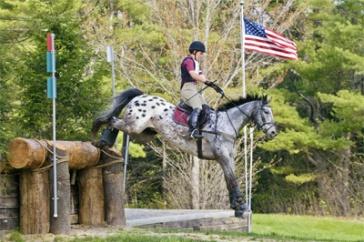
pixel 194 123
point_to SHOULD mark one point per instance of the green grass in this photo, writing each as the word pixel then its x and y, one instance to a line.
pixel 272 227
pixel 308 227
pixel 294 228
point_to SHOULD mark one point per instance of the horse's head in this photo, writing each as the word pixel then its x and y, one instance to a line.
pixel 263 118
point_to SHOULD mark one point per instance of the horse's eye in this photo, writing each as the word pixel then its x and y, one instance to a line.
pixel 266 111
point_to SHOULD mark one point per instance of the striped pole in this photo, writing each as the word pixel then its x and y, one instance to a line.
pixel 52 93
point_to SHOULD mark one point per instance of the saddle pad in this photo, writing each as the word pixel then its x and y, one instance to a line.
pixel 180 117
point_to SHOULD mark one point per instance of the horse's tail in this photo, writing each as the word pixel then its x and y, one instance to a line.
pixel 120 101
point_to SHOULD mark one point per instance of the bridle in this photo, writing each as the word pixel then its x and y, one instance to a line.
pixel 264 122
pixel 259 126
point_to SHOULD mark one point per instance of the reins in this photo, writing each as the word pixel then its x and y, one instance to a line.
pixel 228 116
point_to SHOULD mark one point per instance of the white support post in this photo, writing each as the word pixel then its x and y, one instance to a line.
pixel 251 134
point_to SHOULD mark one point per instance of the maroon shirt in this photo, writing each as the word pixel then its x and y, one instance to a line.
pixel 187 65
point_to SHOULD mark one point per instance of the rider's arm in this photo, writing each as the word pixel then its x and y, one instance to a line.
pixel 197 77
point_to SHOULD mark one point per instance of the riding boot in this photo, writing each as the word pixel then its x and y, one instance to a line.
pixel 194 123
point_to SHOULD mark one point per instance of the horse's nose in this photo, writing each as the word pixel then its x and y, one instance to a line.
pixel 273 133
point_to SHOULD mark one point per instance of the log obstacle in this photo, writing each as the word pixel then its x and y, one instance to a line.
pixel 99 185
pixel 61 224
pixel 34 202
pixel 113 189
pixel 31 153
pixel 9 197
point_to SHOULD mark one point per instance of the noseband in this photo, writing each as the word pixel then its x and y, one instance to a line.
pixel 264 123
pixel 259 126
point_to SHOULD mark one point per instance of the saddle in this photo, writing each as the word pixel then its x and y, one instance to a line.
pixel 182 113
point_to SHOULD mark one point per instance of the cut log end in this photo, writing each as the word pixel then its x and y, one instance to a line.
pixel 26 153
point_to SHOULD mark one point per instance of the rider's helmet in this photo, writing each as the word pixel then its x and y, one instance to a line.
pixel 198 46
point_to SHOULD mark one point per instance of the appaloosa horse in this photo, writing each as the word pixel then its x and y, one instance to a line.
pixel 147 115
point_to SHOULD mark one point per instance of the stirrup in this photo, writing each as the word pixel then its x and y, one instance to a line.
pixel 195 134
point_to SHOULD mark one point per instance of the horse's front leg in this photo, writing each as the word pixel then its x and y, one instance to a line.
pixel 235 196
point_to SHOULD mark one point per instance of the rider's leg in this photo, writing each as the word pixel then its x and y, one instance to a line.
pixel 194 123
pixel 193 98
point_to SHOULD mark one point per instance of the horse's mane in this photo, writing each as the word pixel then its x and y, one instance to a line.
pixel 240 101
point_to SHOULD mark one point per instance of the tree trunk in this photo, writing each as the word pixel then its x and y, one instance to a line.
pixel 113 189
pixel 60 224
pixel 91 197
pixel 30 153
pixel 34 202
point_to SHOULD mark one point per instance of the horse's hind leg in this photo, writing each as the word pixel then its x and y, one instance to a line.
pixel 118 124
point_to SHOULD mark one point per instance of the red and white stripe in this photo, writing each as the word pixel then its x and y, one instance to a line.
pixel 275 44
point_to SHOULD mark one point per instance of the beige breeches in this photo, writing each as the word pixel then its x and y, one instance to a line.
pixel 190 95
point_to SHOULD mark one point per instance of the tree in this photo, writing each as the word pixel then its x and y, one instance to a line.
pixel 79 75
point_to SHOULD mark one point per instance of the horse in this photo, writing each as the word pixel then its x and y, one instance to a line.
pixel 146 116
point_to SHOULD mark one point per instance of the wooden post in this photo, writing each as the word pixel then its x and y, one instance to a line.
pixel 113 188
pixel 9 202
pixel 34 202
pixel 61 224
pixel 91 197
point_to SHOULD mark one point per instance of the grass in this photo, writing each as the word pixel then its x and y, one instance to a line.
pixel 295 228
pixel 272 227
pixel 308 227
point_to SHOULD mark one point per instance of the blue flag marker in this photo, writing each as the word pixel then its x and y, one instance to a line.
pixel 50 67
pixel 50 83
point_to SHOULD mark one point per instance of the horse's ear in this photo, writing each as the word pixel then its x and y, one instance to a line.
pixel 266 100
pixel 269 99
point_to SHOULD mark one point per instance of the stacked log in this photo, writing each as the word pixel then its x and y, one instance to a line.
pixel 30 153
pixel 62 223
pixel 113 188
pixel 34 202
pixel 34 157
pixel 91 197
pixel 9 203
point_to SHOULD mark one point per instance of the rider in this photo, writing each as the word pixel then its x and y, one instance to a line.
pixel 191 74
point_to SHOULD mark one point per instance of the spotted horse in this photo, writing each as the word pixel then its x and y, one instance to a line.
pixel 145 116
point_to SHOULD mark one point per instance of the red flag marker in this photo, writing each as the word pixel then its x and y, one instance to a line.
pixel 50 42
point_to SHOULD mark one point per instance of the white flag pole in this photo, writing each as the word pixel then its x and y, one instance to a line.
pixel 242 53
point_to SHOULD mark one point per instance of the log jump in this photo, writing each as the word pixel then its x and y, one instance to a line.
pixel 99 183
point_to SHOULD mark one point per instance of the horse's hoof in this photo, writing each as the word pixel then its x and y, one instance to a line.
pixel 241 211
pixel 100 144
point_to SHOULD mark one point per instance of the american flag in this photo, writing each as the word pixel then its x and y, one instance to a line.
pixel 268 42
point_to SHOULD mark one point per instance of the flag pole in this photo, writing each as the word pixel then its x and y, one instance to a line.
pixel 245 136
pixel 242 38
pixel 52 93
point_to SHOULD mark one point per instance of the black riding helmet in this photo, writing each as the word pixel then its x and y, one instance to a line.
pixel 198 46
